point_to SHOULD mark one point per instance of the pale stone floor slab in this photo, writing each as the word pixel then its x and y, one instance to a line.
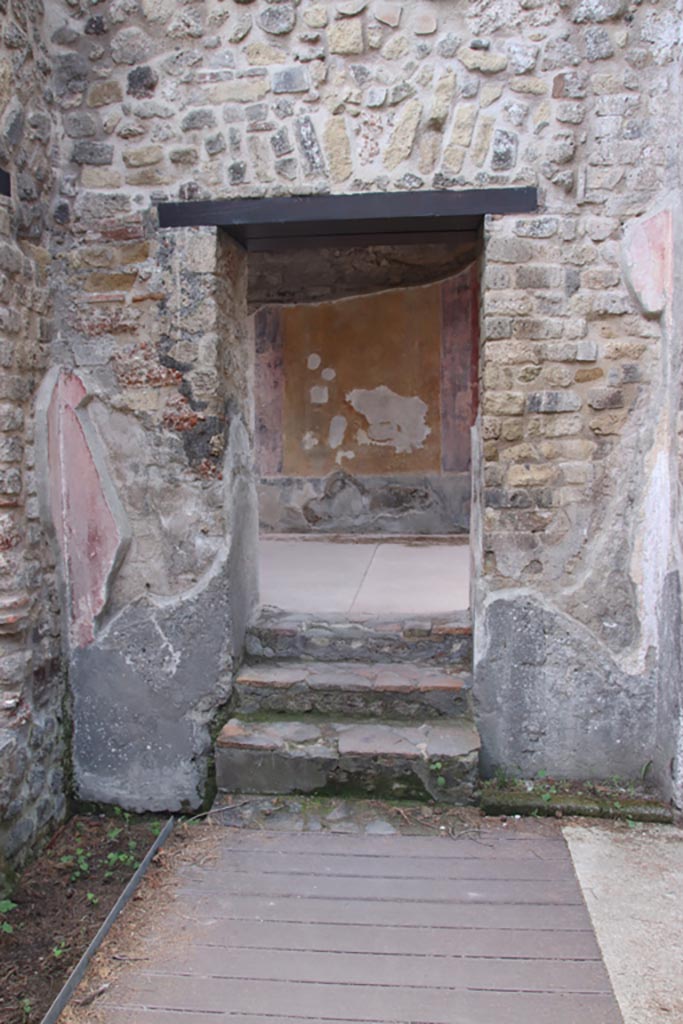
pixel 632 882
pixel 363 577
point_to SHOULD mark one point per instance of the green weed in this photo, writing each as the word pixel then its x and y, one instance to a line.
pixel 6 907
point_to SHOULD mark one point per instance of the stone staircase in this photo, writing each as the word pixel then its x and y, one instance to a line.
pixel 369 708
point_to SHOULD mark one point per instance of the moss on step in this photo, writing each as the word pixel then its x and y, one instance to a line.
pixel 552 798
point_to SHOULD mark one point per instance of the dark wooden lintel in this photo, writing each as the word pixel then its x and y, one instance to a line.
pixel 281 243
pixel 358 219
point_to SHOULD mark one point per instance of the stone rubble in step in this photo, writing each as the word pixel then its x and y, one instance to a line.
pixel 353 689
pixel 280 635
pixel 393 759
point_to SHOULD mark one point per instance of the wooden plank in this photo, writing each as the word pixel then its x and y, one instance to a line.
pixel 431 847
pixel 383 969
pixel 354 238
pixel 267 862
pixel 408 914
pixel 365 1003
pixel 143 1015
pixel 418 941
pixel 379 890
pixel 308 928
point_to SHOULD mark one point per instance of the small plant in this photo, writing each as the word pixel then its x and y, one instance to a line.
pixel 120 859
pixel 92 899
pixel 503 778
pixel 114 832
pixel 6 907
pixel 59 950
pixel 155 828
pixel 436 767
pixel 549 792
pixel 26 1009
pixel 80 862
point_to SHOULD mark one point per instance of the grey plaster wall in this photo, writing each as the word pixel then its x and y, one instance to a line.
pixel 144 694
pixel 550 699
pixel 342 503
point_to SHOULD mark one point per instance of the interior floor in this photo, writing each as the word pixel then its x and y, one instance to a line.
pixel 364 577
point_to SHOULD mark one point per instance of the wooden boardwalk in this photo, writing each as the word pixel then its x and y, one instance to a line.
pixel 285 927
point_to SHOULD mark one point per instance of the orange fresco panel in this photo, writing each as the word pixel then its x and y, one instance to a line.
pixel 362 384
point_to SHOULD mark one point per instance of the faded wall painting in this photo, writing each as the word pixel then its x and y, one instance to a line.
pixel 364 408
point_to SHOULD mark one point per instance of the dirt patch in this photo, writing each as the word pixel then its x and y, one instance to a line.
pixel 130 940
pixel 58 905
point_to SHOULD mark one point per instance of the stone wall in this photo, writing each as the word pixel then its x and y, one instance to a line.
pixel 31 681
pixel 577 601
pixel 577 589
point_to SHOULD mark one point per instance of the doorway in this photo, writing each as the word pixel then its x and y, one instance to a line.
pixel 364 405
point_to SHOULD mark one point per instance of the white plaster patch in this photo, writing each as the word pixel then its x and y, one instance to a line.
pixel 394 421
pixel 651 554
pixel 319 394
pixel 314 361
pixel 309 440
pixel 663 30
pixel 344 455
pixel 335 438
pixel 328 373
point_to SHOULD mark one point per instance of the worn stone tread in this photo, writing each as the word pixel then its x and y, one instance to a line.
pixel 447 739
pixel 396 758
pixel 353 689
pixel 280 635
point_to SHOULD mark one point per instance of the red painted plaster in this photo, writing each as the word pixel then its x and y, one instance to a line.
pixel 648 252
pixel 87 532
pixel 459 354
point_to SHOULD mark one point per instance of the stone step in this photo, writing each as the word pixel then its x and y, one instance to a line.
pixel 281 636
pixel 352 690
pixel 388 759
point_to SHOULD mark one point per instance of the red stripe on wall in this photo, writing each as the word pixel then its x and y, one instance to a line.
pixel 459 367
pixel 269 373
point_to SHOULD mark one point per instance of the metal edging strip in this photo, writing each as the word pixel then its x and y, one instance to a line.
pixel 79 970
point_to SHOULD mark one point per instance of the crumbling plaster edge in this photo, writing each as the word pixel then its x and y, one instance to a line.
pixel 511 595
